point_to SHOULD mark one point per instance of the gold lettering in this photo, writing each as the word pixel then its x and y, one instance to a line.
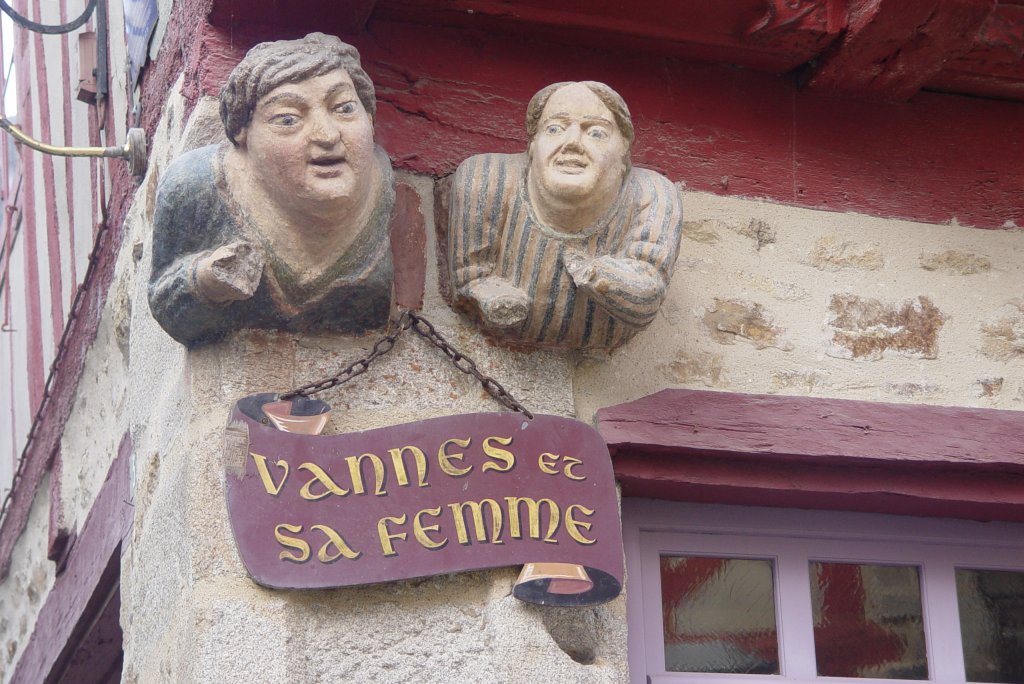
pixel 336 540
pixel 572 525
pixel 268 482
pixel 443 458
pixel 479 526
pixel 386 536
pixel 330 486
pixel 503 455
pixel 400 472
pixel 546 462
pixel 355 470
pixel 572 463
pixel 420 530
pixel 292 543
pixel 533 508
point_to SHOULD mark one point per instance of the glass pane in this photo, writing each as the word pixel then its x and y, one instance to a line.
pixel 719 615
pixel 992 624
pixel 868 621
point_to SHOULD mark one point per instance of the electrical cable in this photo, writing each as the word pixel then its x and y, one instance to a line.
pixel 51 29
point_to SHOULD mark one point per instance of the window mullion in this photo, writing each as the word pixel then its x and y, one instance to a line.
pixel 942 621
pixel 796 622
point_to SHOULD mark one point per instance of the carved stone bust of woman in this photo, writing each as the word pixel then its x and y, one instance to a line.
pixel 285 225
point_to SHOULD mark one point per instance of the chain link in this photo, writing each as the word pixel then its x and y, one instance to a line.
pixel 425 329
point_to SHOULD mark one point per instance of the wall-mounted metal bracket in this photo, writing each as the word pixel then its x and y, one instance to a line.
pixel 133 151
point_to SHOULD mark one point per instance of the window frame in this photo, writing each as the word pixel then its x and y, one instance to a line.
pixel 792 538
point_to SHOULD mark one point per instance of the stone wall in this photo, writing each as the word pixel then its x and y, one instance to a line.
pixel 775 299
pixel 189 610
pixel 24 590
pixel 766 298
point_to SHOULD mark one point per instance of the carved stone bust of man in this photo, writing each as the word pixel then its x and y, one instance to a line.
pixel 566 245
pixel 285 225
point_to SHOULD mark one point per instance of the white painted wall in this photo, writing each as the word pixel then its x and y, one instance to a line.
pixel 69 254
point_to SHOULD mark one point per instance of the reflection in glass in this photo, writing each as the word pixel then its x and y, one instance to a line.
pixel 868 621
pixel 719 615
pixel 992 624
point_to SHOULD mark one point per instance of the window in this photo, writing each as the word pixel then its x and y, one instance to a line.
pixel 742 594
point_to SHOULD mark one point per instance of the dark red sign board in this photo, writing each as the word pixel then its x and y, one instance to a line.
pixel 450 494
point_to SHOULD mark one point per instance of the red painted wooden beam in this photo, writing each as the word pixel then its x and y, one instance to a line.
pixel 768 35
pixel 446 94
pixel 889 48
pixel 994 67
pixel 349 16
pixel 893 47
pixel 819 453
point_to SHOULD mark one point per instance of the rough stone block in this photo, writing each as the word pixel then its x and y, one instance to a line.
pixel 909 390
pixel 956 262
pixel 866 329
pixel 802 379
pixel 989 387
pixel 1003 338
pixel 729 319
pixel 761 232
pixel 703 232
pixel 699 367
pixel 830 253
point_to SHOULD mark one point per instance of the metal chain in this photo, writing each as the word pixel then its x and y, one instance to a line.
pixel 422 327
pixel 380 348
pixel 425 329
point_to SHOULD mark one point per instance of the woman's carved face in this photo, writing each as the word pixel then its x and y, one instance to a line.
pixel 311 143
pixel 578 152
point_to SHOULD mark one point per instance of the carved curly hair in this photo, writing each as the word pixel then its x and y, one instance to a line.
pixel 269 65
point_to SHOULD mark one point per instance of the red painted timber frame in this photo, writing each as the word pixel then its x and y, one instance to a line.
pixel 828 139
pixel 803 452
pixel 92 574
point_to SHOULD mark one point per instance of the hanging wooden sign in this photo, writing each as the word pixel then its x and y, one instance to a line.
pixel 450 494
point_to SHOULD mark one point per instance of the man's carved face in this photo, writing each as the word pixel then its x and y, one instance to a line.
pixel 578 153
pixel 312 142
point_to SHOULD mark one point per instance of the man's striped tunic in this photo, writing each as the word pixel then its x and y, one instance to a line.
pixel 494 233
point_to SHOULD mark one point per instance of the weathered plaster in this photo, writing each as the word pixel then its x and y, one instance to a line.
pixel 27 585
pixel 962 278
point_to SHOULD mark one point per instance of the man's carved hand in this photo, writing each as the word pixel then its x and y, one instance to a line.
pixel 501 304
pixel 230 273
pixel 582 269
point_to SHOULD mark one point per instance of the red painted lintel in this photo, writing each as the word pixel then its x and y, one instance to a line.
pixel 894 490
pixel 804 452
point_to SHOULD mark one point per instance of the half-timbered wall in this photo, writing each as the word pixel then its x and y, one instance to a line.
pixel 54 207
pixel 54 210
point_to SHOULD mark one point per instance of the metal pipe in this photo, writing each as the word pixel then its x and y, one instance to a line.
pixel 133 151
